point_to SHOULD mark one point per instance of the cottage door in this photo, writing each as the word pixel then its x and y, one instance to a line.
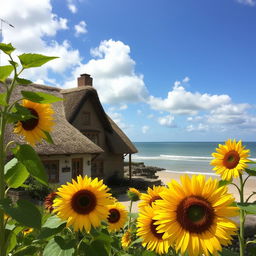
pixel 77 167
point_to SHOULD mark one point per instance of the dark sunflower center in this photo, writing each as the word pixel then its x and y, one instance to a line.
pixel 83 202
pixel 231 159
pixel 195 214
pixel 114 216
pixel 31 123
pixel 153 199
pixel 154 231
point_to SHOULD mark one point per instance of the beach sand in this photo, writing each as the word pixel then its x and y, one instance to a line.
pixel 166 176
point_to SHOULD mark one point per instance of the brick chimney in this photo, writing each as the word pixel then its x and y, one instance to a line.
pixel 84 80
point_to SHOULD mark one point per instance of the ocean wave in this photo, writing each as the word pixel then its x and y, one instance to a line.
pixel 173 157
pixel 177 158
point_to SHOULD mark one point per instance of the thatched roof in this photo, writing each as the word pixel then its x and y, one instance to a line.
pixel 67 139
pixel 75 98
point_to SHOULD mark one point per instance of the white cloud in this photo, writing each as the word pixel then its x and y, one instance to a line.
pixel 200 127
pixel 72 8
pixel 80 28
pixel 139 111
pixel 35 25
pixel 145 129
pixel 166 121
pixel 229 114
pixel 123 107
pixel 186 79
pixel 113 72
pixel 181 101
pixel 247 2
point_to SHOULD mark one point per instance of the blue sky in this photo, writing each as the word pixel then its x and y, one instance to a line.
pixel 168 70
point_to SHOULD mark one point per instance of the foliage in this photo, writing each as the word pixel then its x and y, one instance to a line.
pixel 26 229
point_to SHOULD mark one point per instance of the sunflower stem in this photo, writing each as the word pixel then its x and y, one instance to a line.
pixel 242 218
pixel 130 212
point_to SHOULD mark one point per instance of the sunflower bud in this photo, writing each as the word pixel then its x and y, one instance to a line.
pixel 133 194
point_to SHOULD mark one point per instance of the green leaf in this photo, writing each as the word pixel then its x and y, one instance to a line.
pixel 53 222
pixel 59 247
pixel 24 212
pixel 251 171
pixel 7 48
pixel 5 72
pixel 250 208
pixel 29 158
pixel 48 232
pixel 26 251
pixel 3 99
pixel 48 137
pixel 148 253
pixel 224 183
pixel 15 173
pixel 137 241
pixel 23 81
pixel 96 248
pixel 226 252
pixel 10 240
pixel 104 237
pixel 40 97
pixel 31 60
pixel 13 63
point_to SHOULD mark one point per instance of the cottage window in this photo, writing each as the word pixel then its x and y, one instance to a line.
pixel 97 169
pixel 52 169
pixel 93 136
pixel 86 118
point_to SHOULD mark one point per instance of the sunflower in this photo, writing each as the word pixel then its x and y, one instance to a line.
pixel 27 231
pixel 48 201
pixel 195 215
pixel 33 128
pixel 147 230
pixel 151 196
pixel 117 216
pixel 126 239
pixel 231 159
pixel 83 203
pixel 133 194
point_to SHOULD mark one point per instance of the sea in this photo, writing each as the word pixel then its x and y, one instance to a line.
pixel 188 157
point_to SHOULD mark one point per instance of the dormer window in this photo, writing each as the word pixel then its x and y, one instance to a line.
pixel 93 136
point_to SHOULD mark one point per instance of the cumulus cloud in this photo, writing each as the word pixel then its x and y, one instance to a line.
pixel 72 8
pixel 181 101
pixel 247 2
pixel 144 129
pixel 35 26
pixel 113 72
pixel 80 28
pixel 166 121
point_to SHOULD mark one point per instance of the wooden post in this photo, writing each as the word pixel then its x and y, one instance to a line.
pixel 130 167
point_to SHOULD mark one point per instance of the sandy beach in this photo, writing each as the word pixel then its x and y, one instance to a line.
pixel 166 176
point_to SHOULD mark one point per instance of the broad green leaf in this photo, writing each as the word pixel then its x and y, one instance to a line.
pixel 29 158
pixel 148 253
pixel 40 97
pixel 137 241
pixel 48 137
pixel 3 99
pixel 7 48
pixel 47 232
pixel 15 173
pixel 31 60
pixel 5 72
pixel 250 208
pixel 23 81
pixel 251 171
pixel 96 248
pixel 10 240
pixel 53 222
pixel 104 237
pixel 224 183
pixel 19 113
pixel 60 247
pixel 24 212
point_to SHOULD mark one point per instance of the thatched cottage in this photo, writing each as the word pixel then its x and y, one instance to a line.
pixel 86 140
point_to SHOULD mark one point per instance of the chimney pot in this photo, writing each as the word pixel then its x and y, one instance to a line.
pixel 84 80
